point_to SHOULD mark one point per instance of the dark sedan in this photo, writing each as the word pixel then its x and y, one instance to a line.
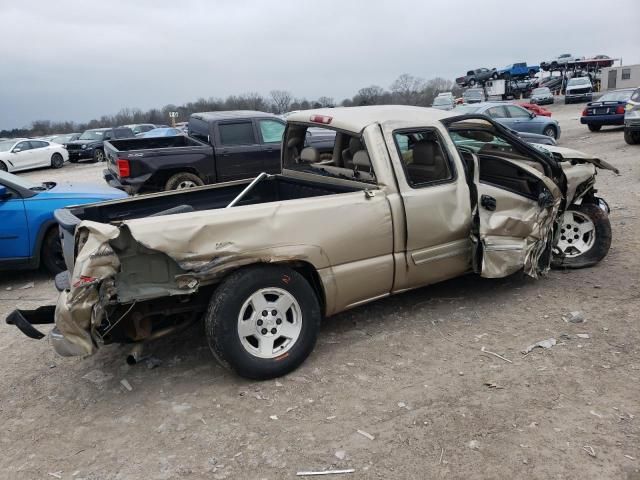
pixel 607 110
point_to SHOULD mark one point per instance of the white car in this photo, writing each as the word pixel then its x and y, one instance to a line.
pixel 24 154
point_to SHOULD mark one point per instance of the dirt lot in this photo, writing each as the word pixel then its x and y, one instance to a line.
pixel 408 370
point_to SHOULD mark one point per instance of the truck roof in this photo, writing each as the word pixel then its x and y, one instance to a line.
pixel 230 114
pixel 355 119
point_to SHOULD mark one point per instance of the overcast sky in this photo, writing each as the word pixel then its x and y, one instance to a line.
pixel 77 60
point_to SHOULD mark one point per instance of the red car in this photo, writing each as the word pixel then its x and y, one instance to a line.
pixel 537 109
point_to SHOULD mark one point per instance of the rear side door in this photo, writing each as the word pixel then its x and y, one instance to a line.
pixel 499 114
pixel 14 233
pixel 237 150
pixel 40 154
pixel 271 132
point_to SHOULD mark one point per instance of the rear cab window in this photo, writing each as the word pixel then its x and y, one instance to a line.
pixel 236 133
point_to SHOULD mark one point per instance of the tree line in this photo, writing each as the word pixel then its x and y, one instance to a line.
pixel 405 90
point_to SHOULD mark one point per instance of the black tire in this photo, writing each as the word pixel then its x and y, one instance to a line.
pixel 472 82
pixel 51 252
pixel 550 131
pixel 3 166
pixel 632 138
pixel 98 155
pixel 601 244
pixel 532 73
pixel 494 75
pixel 594 128
pixel 221 321
pixel 57 161
pixel 183 180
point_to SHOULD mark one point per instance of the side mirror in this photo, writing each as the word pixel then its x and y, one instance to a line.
pixel 532 115
pixel 16 150
pixel 4 193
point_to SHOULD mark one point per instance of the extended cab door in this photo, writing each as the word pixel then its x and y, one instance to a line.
pixel 22 156
pixel 516 203
pixel 237 150
pixel 271 132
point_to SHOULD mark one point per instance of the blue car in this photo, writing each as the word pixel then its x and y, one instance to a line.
pixel 28 231
pixel 514 117
pixel 162 132
pixel 609 109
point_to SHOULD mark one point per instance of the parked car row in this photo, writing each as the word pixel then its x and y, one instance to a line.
pixel 615 108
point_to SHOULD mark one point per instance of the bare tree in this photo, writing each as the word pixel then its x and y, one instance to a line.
pixel 406 89
pixel 369 95
pixel 326 102
pixel 281 100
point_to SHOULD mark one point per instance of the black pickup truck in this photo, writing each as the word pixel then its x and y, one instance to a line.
pixel 221 146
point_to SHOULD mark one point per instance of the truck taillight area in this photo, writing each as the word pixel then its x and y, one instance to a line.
pixel 123 167
pixel 323 119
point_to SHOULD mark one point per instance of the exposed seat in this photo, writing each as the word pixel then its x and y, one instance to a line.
pixel 429 164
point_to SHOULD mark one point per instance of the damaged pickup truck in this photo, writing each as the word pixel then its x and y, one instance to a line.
pixel 409 197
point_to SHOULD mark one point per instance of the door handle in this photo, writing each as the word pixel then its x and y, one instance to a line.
pixel 488 202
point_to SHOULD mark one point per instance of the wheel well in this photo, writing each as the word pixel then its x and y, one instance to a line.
pixel 42 233
pixel 160 178
pixel 552 126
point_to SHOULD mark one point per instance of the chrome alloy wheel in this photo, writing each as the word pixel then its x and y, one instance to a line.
pixel 577 234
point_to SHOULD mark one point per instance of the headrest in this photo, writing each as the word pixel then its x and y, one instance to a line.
pixel 423 153
pixel 294 142
pixel 355 145
pixel 310 155
pixel 361 159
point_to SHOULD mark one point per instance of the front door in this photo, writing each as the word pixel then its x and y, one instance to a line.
pixel 436 202
pixel 14 233
pixel 516 204
pixel 22 156
pixel 237 150
pixel 612 80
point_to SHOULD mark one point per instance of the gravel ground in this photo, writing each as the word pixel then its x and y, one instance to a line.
pixel 407 370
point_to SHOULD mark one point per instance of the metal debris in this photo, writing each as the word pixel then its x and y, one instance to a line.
pixel 493 385
pixel 366 435
pixel 126 384
pixel 548 343
pixel 574 317
pixel 273 417
pixel 55 474
pixel 484 350
pixel 589 449
pixel 325 472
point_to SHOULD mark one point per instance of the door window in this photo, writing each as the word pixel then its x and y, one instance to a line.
pixel 22 146
pixel 271 131
pixel 517 112
pixel 423 157
pixel 38 144
pixel 239 133
pixel 497 112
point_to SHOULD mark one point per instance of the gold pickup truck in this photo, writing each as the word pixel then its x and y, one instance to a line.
pixel 409 197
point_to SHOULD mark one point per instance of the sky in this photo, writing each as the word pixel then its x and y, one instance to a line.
pixel 77 60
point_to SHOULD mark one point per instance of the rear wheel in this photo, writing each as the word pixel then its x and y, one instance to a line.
pixel 98 155
pixel 57 161
pixel 550 131
pixel 594 128
pixel 263 321
pixel 51 252
pixel 630 137
pixel 495 75
pixel 472 82
pixel 183 180
pixel 585 237
pixel 3 167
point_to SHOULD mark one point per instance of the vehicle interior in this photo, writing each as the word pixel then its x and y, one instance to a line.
pixel 349 159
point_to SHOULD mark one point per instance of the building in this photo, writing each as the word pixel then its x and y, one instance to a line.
pixel 626 76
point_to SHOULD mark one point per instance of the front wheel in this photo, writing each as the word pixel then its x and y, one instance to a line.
pixel 630 137
pixel 494 75
pixel 51 252
pixel 98 155
pixel 594 128
pixel 472 82
pixel 263 321
pixel 585 237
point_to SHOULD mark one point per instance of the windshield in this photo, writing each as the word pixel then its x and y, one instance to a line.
pixel 472 94
pixel 616 96
pixel 541 91
pixel 442 101
pixel 6 145
pixel 92 135
pixel 466 109
pixel 579 81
